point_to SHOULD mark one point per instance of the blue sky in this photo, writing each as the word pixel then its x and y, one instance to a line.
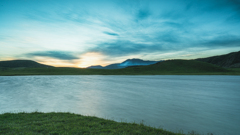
pixel 80 33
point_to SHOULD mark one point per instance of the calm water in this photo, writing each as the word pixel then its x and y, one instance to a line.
pixel 201 103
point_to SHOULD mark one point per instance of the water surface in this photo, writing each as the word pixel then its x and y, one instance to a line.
pixel 200 103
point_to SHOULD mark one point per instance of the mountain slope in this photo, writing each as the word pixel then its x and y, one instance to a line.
pixel 96 67
pixel 136 62
pixel 126 63
pixel 231 60
pixel 176 66
pixel 21 63
pixel 113 66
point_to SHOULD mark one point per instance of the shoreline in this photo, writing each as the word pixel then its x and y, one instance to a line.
pixel 73 71
pixel 56 123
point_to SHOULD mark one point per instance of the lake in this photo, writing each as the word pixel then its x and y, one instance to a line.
pixel 206 104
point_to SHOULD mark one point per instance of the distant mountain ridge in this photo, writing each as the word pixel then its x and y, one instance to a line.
pixel 230 60
pixel 21 64
pixel 126 63
pixel 169 67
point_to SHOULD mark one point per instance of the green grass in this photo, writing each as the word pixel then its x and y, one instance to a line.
pixel 237 70
pixel 172 67
pixel 71 124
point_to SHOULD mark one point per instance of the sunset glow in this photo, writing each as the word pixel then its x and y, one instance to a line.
pixel 80 33
pixel 89 58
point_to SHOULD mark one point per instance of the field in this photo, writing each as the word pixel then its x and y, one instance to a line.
pixel 66 123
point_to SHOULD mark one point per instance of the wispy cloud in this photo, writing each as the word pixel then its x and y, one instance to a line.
pixel 111 33
pixel 55 54
pixel 124 48
pixel 44 16
pixel 223 41
pixel 143 14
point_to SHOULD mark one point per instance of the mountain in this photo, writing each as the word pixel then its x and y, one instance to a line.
pixel 113 66
pixel 169 67
pixel 127 63
pixel 231 60
pixel 136 62
pixel 96 67
pixel 21 64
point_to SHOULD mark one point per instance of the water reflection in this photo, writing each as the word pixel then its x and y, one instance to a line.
pixel 91 103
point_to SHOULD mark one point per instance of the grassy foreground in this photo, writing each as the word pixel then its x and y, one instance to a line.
pixel 171 67
pixel 71 124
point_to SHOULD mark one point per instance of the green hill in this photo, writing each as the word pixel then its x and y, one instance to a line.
pixel 176 67
pixel 231 60
pixel 21 64
pixel 171 67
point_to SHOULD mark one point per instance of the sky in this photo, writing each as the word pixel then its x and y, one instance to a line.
pixel 81 33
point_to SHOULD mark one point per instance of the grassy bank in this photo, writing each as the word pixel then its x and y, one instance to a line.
pixel 173 67
pixel 72 124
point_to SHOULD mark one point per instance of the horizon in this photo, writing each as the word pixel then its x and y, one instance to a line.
pixel 87 33
pixel 126 60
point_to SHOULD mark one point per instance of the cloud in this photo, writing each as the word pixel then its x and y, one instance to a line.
pixel 163 42
pixel 143 14
pixel 223 41
pixel 233 3
pixel 141 43
pixel 125 47
pixel 111 34
pixel 189 6
pixel 172 24
pixel 172 15
pixel 163 37
pixel 121 28
pixel 235 18
pixel 2 37
pixel 54 54
pixel 168 37
pixel 224 6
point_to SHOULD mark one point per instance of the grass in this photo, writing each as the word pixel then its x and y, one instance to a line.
pixel 237 70
pixel 172 67
pixel 71 124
